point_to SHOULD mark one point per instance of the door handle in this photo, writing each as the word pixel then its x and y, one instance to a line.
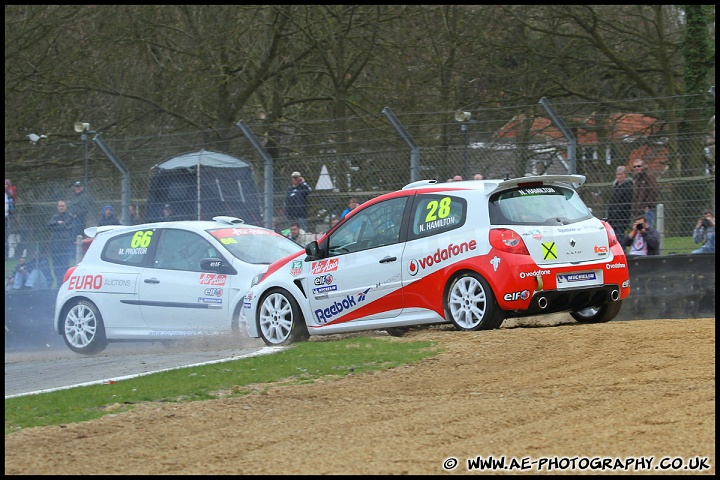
pixel 152 280
pixel 388 259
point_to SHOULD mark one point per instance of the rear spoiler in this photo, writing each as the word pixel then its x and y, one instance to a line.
pixel 575 181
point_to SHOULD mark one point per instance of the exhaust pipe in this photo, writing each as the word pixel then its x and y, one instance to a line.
pixel 542 303
pixel 615 295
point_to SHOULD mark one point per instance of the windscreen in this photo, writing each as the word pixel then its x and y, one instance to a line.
pixel 254 245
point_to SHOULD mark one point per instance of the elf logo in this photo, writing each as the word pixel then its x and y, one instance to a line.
pixel 511 297
pixel 440 256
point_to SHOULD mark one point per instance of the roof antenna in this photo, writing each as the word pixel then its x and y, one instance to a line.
pixel 507 176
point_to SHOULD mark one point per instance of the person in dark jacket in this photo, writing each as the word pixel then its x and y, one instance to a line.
pixel 108 217
pixel 643 239
pixel 81 204
pixel 296 200
pixel 621 196
pixel 645 189
pixel 62 229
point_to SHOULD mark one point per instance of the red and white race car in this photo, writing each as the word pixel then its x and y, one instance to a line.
pixel 471 253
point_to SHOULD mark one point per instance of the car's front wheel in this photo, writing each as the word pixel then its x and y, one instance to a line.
pixel 83 329
pixel 471 305
pixel 279 319
pixel 598 314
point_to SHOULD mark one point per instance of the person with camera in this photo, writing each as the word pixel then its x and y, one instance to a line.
pixel 704 233
pixel 643 239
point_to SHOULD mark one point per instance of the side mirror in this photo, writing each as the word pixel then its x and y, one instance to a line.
pixel 313 251
pixel 217 265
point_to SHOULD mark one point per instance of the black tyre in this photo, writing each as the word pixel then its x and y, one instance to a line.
pixel 598 314
pixel 279 319
pixel 471 305
pixel 83 329
pixel 397 331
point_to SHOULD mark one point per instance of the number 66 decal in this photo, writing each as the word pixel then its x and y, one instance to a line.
pixel 141 239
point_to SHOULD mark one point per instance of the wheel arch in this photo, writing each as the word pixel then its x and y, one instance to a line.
pixel 67 305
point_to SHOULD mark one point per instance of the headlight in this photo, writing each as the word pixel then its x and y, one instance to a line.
pixel 257 277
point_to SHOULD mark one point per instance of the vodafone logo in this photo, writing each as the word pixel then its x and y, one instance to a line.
pixel 440 256
pixel 413 267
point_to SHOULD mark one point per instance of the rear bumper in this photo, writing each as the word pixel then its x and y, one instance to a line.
pixel 552 301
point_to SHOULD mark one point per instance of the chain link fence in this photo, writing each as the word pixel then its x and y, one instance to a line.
pixel 367 156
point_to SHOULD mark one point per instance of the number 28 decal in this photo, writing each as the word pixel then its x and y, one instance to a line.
pixel 141 239
pixel 438 209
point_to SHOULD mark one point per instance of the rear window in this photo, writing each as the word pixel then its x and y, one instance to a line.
pixel 129 248
pixel 537 205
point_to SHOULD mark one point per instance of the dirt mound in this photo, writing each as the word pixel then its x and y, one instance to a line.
pixel 543 396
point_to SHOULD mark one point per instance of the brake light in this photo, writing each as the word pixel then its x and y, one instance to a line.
pixel 507 240
pixel 612 238
pixel 69 273
pixel 530 184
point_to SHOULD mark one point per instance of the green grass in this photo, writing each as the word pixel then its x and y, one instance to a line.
pixel 678 245
pixel 303 363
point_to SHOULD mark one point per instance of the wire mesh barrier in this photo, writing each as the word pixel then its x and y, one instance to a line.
pixel 360 157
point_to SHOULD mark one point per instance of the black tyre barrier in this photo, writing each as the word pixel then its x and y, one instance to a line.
pixel 670 286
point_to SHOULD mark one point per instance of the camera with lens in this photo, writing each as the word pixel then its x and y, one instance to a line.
pixel 705 223
pixel 639 226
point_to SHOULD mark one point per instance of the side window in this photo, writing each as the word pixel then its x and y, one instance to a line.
pixel 374 226
pixel 182 250
pixel 433 214
pixel 131 248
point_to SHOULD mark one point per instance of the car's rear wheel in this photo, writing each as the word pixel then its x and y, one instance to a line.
pixel 471 305
pixel 598 314
pixel 83 329
pixel 397 331
pixel 279 319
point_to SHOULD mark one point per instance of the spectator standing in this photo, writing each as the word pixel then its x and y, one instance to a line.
pixel 7 224
pixel 108 217
pixel 12 235
pixel 167 214
pixel 11 189
pixel 643 239
pixel 704 233
pixel 80 206
pixel 618 213
pixel 478 176
pixel 645 189
pixel 62 236
pixel 650 215
pixel 298 235
pixel 296 200
pixel 134 214
pixel 352 205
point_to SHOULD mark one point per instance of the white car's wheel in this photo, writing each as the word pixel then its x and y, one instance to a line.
pixel 471 305
pixel 83 329
pixel 279 319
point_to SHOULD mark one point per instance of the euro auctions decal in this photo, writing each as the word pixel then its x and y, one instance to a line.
pixel 440 256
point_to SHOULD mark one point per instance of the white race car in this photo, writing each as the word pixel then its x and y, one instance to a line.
pixel 162 281
pixel 470 253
